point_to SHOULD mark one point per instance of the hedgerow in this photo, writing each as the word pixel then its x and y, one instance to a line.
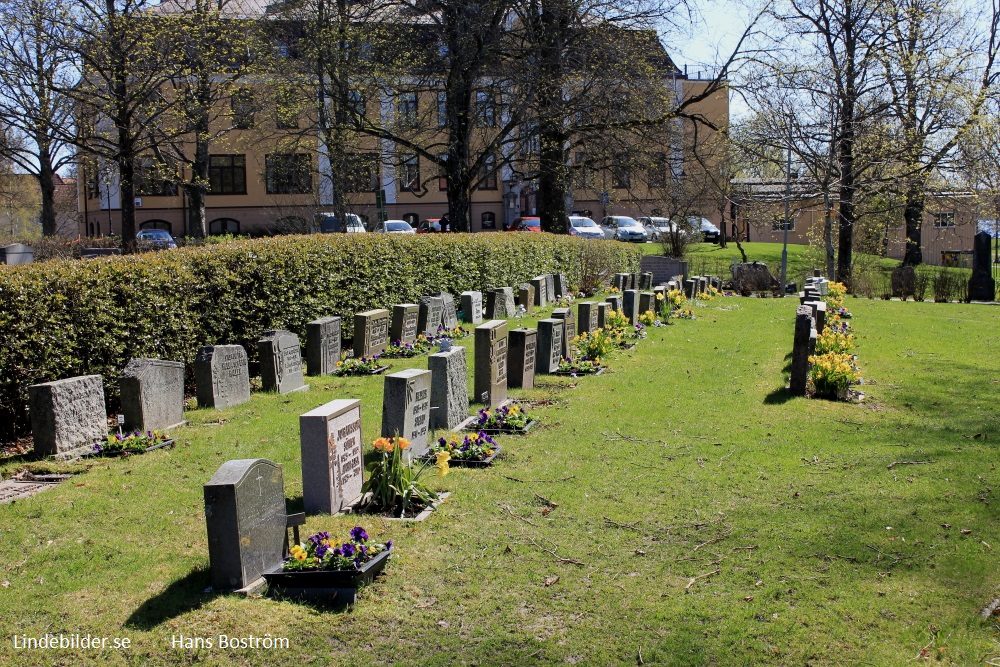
pixel 65 318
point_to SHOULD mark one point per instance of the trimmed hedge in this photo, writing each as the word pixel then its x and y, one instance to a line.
pixel 63 319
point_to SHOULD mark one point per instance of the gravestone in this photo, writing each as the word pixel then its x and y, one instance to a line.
pixel 631 305
pixel 521 348
pixel 615 300
pixel 753 277
pixel 490 379
pixel 449 388
pixel 662 268
pixel 222 376
pixel 818 314
pixel 633 281
pixel 587 319
pixel 526 297
pixel 500 303
pixel 281 362
pixel 982 285
pixel 561 284
pixel 67 416
pixel 805 338
pixel 449 318
pixel 246 520
pixel 16 253
pixel 541 291
pixel 620 281
pixel 405 322
pixel 904 282
pixel 322 345
pixel 371 332
pixel 406 408
pixel 431 312
pixel 702 284
pixel 602 314
pixel 690 288
pixel 472 307
pixel 647 301
pixel 646 281
pixel 660 289
pixel 152 394
pixel 550 287
pixel 332 462
pixel 548 353
pixel 569 330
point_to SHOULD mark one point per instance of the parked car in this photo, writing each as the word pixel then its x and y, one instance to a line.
pixel 429 226
pixel 585 227
pixel 156 239
pixel 394 227
pixel 623 228
pixel 329 224
pixel 530 223
pixel 657 228
pixel 709 232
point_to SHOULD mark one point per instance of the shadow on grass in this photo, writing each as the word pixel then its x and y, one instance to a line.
pixel 778 396
pixel 180 597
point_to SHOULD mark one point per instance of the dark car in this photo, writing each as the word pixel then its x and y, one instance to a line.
pixel 709 232
pixel 429 226
pixel 155 239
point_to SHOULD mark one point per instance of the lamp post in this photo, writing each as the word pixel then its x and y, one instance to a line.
pixel 788 199
pixel 510 201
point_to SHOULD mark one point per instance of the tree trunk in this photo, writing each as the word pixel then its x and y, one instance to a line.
pixel 552 169
pixel 828 233
pixel 913 215
pixel 46 184
pixel 126 193
pixel 460 90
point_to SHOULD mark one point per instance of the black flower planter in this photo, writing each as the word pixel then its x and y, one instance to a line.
pixel 328 585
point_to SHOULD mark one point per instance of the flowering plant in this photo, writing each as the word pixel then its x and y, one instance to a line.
pixel 564 301
pixel 319 552
pixel 710 293
pixel 134 443
pixel 834 341
pixel 397 349
pixel 673 300
pixel 832 373
pixel 614 290
pixel 456 333
pixel 393 483
pixel 355 366
pixel 616 321
pixel 504 417
pixel 472 447
pixel 582 365
pixel 638 332
pixel 682 314
pixel 835 296
pixel 647 318
pixel 594 344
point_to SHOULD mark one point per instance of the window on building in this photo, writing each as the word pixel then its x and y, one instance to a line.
pixel 656 176
pixel 357 104
pixel 944 219
pixel 409 173
pixel 156 224
pixel 412 218
pixel 530 142
pixel 406 108
pixel 486 110
pixel 224 226
pixel 620 178
pixel 778 223
pixel 488 220
pixel 154 179
pixel 227 174
pixel 243 107
pixel 443 173
pixel 287 110
pixel 287 174
pixel 581 175
pixel 362 173
pixel 488 180
pixel 442 104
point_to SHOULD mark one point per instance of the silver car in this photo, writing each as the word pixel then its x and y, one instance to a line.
pixel 657 228
pixel 394 227
pixel 584 227
pixel 623 228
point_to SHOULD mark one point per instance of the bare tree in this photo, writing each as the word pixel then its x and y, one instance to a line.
pixel 35 66
pixel 940 67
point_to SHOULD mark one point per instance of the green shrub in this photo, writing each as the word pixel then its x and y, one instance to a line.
pixel 65 318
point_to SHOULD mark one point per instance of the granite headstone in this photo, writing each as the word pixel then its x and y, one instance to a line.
pixel 490 379
pixel 332 461
pixel 406 408
pixel 281 362
pixel 449 388
pixel 521 358
pixel 222 376
pixel 405 322
pixel 371 332
pixel 548 353
pixel 67 416
pixel 322 345
pixel 152 394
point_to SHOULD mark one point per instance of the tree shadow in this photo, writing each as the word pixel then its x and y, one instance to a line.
pixel 180 597
pixel 778 396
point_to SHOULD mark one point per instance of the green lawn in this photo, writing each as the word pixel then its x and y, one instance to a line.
pixel 701 518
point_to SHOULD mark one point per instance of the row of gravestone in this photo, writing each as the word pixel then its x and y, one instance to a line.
pixel 810 320
pixel 69 415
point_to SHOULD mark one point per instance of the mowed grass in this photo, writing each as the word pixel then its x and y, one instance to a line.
pixel 677 510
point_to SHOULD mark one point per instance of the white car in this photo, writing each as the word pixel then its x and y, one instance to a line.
pixel 394 227
pixel 329 224
pixel 584 227
pixel 657 228
pixel 623 228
